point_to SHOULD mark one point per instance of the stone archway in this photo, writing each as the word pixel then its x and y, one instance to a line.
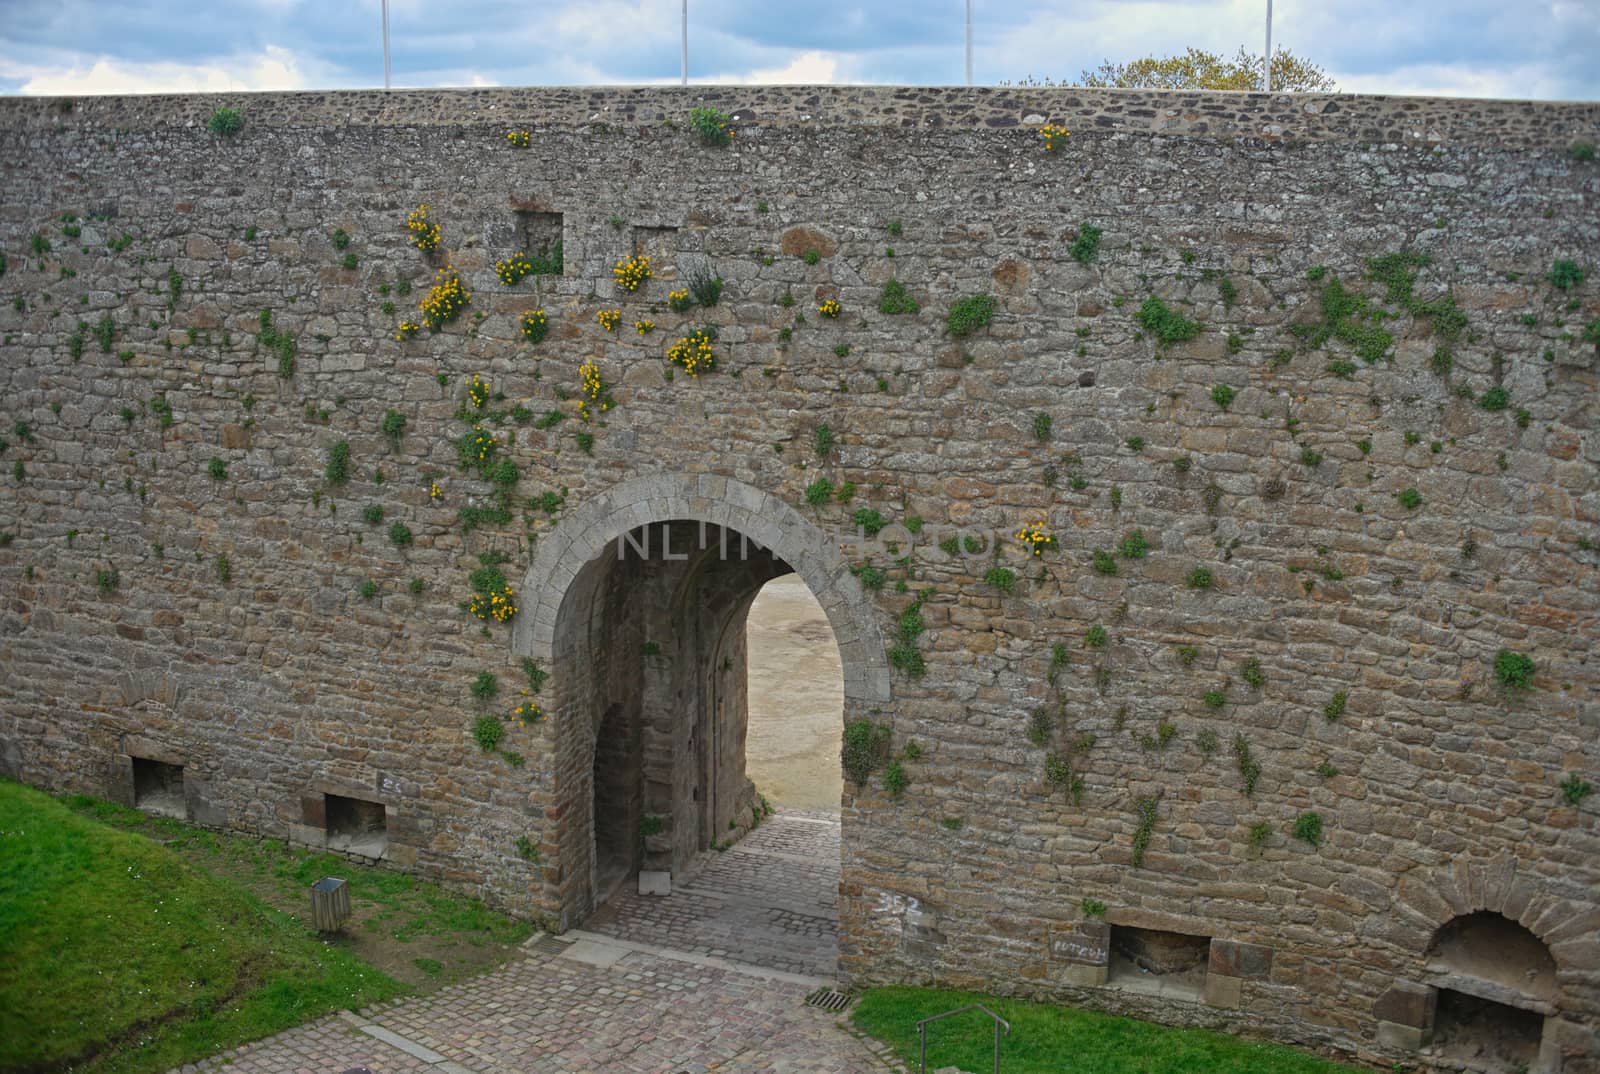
pixel 590 598
pixel 1494 943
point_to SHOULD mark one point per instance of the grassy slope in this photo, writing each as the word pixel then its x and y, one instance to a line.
pixel 1047 1039
pixel 112 947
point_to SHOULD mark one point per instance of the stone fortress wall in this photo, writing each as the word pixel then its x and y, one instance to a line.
pixel 1109 749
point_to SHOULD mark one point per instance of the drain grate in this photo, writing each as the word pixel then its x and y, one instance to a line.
pixel 550 944
pixel 827 999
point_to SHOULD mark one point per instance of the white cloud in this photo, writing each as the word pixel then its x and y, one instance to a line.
pixel 1529 82
pixel 273 68
pixel 813 68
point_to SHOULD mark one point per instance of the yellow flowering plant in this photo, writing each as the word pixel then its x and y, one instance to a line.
pixel 445 300
pixel 679 301
pixel 407 329
pixel 520 139
pixel 644 327
pixel 1055 138
pixel 1035 539
pixel 424 232
pixel 476 450
pixel 693 353
pixel 492 598
pixel 478 391
pixel 631 272
pixel 596 393
pixel 513 268
pixel 829 308
pixel 609 319
pixel 528 712
pixel 534 326
pixel 435 490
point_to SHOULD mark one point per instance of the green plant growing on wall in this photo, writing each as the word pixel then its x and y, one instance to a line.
pixel 488 732
pixel 1513 670
pixel 224 567
pixel 1583 152
pixel 1574 789
pixel 1308 828
pixel 1086 245
pixel 870 577
pixel 969 314
pixel 1002 578
pixel 1040 726
pixel 1145 814
pixel 1092 907
pixel 904 654
pixel 1565 274
pixel 1207 742
pixel 1104 563
pixel 1167 325
pixel 1496 398
pixel 1095 637
pixel 484 686
pixel 107 580
pixel 526 850
pixel 217 469
pixel 337 471
pixel 225 122
pixel 400 535
pixel 1133 546
pixel 1200 578
pixel 104 332
pixel 1249 767
pixel 1223 396
pixel 372 514
pixel 819 492
pixel 1041 426
pixel 866 746
pixel 1229 292
pixel 895 779
pixel 1335 706
pixel 1259 834
pixel 1250 671
pixel 1059 775
pixel 894 299
pixel 868 520
pixel 1409 498
pixel 711 125
pixel 824 441
pixel 393 426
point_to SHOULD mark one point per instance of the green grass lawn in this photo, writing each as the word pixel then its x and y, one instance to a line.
pixel 116 955
pixel 1046 1039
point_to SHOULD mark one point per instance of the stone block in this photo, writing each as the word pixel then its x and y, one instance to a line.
pixel 655 882
pixel 1407 1004
pixel 1231 958
pixel 1406 1038
pixel 1222 990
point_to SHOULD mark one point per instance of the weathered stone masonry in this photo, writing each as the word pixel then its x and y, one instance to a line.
pixel 1452 872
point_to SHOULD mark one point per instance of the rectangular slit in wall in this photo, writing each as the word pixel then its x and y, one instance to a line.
pixel 1157 962
pixel 355 825
pixel 539 235
pixel 158 787
pixel 1490 1035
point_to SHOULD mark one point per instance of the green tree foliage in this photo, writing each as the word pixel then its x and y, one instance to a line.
pixel 1198 69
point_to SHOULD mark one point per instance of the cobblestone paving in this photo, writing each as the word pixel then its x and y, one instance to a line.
pixel 549 1014
pixel 771 900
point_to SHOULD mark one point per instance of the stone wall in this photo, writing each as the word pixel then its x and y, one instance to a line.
pixel 1345 646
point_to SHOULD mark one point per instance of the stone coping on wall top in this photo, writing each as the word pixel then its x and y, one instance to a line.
pixel 1351 118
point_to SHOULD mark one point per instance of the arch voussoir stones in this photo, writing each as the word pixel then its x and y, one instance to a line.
pixel 767 520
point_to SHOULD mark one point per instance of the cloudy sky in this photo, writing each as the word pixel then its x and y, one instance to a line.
pixel 1496 48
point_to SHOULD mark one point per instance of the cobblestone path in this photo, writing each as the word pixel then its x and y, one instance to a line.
pixel 771 900
pixel 653 992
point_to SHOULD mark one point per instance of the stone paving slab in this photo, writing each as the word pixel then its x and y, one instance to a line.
pixel 546 1014
pixel 771 900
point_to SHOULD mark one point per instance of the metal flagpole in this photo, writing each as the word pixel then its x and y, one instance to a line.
pixel 385 44
pixel 1266 75
pixel 685 42
pixel 969 42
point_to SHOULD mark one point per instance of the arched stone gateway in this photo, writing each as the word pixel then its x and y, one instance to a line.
pixel 635 603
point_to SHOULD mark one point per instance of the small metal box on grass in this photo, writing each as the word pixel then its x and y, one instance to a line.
pixel 330 904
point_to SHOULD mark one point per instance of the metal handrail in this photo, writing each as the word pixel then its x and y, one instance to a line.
pixel 922 1031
